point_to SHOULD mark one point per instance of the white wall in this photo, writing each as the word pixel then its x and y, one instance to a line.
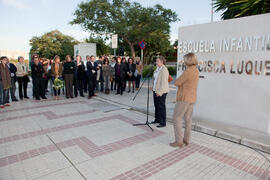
pixel 240 99
pixel 14 54
pixel 84 49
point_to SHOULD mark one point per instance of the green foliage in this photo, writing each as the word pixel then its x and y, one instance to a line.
pixel 53 43
pixel 58 84
pixel 146 70
pixel 241 8
pixel 172 70
pixel 129 20
pixel 102 48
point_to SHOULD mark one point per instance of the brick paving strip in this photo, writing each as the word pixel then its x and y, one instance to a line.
pixel 152 167
pixel 49 115
pixel 82 142
pixel 41 106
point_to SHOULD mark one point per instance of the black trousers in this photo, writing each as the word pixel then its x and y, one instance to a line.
pixel 85 83
pixel 92 81
pixel 120 84
pixel 46 81
pixel 138 80
pixel 78 85
pixel 38 87
pixel 160 108
pixel 23 82
pixel 69 85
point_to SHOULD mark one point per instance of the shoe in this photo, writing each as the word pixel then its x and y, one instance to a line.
pixel 94 95
pixel 133 91
pixel 2 107
pixel 26 97
pixel 67 97
pixel 21 98
pixel 38 98
pixel 154 122
pixel 82 95
pixel 89 97
pixel 7 104
pixel 161 126
pixel 72 97
pixel 175 144
pixel 186 143
pixel 44 97
pixel 14 100
pixel 128 91
pixel 117 93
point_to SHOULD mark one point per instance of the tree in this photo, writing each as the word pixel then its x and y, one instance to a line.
pixel 241 8
pixel 129 20
pixel 102 48
pixel 53 43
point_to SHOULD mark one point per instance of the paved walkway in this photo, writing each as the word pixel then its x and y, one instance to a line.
pixel 91 139
pixel 253 138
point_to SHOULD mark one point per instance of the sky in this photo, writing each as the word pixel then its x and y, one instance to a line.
pixel 22 19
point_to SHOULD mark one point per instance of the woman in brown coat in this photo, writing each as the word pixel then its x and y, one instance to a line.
pixel 186 96
pixel 5 82
pixel 57 70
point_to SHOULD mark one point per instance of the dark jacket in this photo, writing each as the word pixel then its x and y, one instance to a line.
pixel 37 71
pixel 69 68
pixel 132 69
pixel 79 69
pixel 123 70
pixel 12 69
pixel 92 70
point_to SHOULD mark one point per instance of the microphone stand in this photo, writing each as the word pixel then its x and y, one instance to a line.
pixel 148 91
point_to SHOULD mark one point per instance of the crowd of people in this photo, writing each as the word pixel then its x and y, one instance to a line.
pixel 79 77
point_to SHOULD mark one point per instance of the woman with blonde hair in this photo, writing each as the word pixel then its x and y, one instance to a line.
pixel 160 89
pixel 186 96
pixel 22 77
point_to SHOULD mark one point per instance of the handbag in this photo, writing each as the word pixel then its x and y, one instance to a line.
pixel 170 79
pixel 27 79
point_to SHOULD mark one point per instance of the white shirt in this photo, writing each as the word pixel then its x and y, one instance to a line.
pixel 156 73
pixel 85 64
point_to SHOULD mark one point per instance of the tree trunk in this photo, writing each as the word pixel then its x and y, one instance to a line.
pixel 131 45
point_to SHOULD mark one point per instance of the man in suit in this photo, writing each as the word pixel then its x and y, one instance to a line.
pixel 12 68
pixel 79 76
pixel 37 74
pixel 92 68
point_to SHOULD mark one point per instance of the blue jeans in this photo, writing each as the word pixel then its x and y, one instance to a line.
pixel 3 95
pixel 138 80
